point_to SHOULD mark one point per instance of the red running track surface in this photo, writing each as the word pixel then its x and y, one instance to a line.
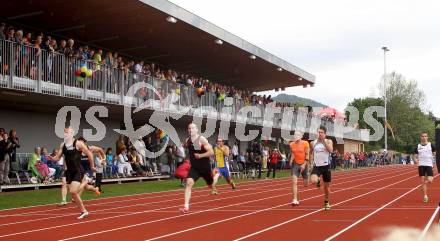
pixel 364 203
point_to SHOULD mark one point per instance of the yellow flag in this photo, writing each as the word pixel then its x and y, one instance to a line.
pixel 390 128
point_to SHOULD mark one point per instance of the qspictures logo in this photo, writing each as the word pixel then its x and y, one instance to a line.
pixel 291 119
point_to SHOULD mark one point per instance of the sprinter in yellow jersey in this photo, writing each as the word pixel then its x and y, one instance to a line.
pixel 221 155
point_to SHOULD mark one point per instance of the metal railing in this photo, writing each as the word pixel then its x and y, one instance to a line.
pixel 31 69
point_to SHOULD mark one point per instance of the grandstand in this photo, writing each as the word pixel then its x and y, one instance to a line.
pixel 175 49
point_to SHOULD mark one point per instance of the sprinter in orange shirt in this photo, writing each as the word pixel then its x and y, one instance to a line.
pixel 298 161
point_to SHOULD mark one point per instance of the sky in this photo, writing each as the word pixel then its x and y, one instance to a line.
pixel 339 41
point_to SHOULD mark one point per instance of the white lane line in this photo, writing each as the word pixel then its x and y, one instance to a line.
pixel 130 214
pixel 341 177
pixel 197 190
pixel 333 220
pixel 372 213
pixel 234 210
pixel 259 211
pixel 428 225
pixel 54 216
pixel 90 202
pixel 319 210
pixel 163 219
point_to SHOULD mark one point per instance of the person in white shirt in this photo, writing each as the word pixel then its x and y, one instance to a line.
pixel 138 67
pixel 123 164
pixel 283 160
pixel 320 151
pixel 235 152
pixel 424 155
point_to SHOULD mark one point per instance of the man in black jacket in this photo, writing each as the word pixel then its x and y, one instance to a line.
pixel 256 151
pixel 5 149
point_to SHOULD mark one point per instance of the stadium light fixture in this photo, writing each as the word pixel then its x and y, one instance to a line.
pixel 279 69
pixel 25 15
pixel 104 39
pixel 69 28
pixel 252 56
pixel 218 41
pixel 171 19
pixel 134 48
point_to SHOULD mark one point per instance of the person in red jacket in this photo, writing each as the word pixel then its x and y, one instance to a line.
pixel 274 158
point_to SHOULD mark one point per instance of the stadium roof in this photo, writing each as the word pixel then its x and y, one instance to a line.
pixel 140 29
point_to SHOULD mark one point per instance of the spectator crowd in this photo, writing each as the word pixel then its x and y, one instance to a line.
pixel 29 46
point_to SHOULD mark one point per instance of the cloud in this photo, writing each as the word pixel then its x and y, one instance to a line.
pixel 339 41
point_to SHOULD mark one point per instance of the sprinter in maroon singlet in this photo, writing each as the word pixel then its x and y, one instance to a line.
pixel 200 152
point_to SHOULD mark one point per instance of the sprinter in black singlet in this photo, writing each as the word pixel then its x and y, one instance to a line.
pixel 200 152
pixel 72 149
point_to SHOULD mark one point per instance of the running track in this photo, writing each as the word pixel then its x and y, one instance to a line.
pixel 364 203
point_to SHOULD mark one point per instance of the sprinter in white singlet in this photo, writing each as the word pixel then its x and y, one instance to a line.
pixel 424 155
pixel 320 151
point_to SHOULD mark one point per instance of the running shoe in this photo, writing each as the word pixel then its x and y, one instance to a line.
pixel 97 192
pixel 425 199
pixel 234 186
pixel 318 184
pixel 83 215
pixel 61 204
pixel 295 203
pixel 327 206
pixel 184 210
pixel 214 191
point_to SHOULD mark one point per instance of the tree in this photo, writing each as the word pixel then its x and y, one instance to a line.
pixel 361 104
pixel 406 113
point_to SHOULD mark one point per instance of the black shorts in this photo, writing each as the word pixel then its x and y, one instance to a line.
pixel 73 176
pixel 324 171
pixel 205 174
pixel 425 171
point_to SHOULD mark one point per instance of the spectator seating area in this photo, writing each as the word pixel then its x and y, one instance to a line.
pixel 31 56
pixel 36 55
